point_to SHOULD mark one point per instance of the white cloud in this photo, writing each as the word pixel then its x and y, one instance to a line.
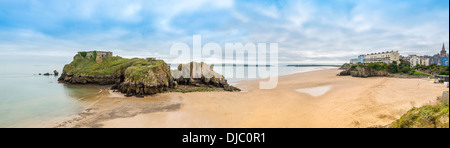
pixel 303 29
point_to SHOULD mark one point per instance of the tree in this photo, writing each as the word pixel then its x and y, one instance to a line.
pixel 405 69
pixel 393 68
pixel 83 54
pixel 95 55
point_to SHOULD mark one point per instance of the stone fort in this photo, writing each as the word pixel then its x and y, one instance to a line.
pixel 101 54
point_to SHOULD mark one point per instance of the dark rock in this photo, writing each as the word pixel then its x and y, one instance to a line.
pixel 363 72
pixel 55 72
pixel 368 72
pixel 346 72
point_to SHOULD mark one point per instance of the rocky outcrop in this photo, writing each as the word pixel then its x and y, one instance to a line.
pixel 140 77
pixel 55 72
pixel 146 80
pixel 85 79
pixel 345 72
pixel 197 74
pixel 367 72
pixel 362 71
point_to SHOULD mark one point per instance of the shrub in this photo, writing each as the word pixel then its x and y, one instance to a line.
pixel 444 70
pixel 406 69
pixel 416 73
pixel 384 66
pixel 393 68
pixel 444 73
pixel 95 56
pixel 429 116
pixel 346 65
pixel 83 54
pixel 374 65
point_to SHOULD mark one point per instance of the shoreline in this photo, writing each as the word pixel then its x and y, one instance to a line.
pixel 349 102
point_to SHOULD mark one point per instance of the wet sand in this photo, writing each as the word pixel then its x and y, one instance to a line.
pixel 325 100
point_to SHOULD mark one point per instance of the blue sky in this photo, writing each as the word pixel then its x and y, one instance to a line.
pixel 308 31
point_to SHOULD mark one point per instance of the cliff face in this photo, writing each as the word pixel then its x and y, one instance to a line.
pixel 147 79
pixel 197 74
pixel 131 76
pixel 362 71
pixel 367 72
pixel 139 77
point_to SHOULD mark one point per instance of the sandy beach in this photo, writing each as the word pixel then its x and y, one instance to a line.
pixel 304 100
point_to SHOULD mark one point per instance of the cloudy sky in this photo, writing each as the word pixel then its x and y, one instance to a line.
pixel 308 31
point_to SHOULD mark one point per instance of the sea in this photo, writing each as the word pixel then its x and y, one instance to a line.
pixel 28 99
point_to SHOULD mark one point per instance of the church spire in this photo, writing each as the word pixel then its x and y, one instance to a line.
pixel 443 52
pixel 443 46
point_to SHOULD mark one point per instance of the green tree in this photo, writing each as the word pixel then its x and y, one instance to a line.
pixel 95 55
pixel 83 54
pixel 393 68
pixel 405 69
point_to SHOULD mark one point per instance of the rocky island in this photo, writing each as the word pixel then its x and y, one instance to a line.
pixel 140 77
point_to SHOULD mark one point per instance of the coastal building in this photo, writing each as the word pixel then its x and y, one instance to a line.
pixel 407 58
pixel 438 59
pixel 445 61
pixel 419 60
pixel 425 60
pixel 354 61
pixel 361 58
pixel 382 57
pixel 99 53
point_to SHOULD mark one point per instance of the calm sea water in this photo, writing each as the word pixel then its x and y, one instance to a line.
pixel 28 99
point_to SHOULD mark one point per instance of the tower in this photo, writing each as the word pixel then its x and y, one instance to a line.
pixel 443 52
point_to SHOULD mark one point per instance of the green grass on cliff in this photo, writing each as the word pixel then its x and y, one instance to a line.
pixel 148 72
pixel 108 66
pixel 416 73
pixel 429 116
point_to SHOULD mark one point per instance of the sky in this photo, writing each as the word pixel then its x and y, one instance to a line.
pixel 307 31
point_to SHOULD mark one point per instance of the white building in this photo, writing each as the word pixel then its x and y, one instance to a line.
pixel 383 57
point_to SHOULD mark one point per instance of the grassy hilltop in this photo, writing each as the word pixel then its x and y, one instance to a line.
pixel 107 65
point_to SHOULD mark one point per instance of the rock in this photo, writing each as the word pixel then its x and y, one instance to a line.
pixel 55 72
pixel 139 77
pixel 46 74
pixel 198 74
pixel 231 88
pixel 147 79
pixel 363 71
pixel 346 72
pixel 445 95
